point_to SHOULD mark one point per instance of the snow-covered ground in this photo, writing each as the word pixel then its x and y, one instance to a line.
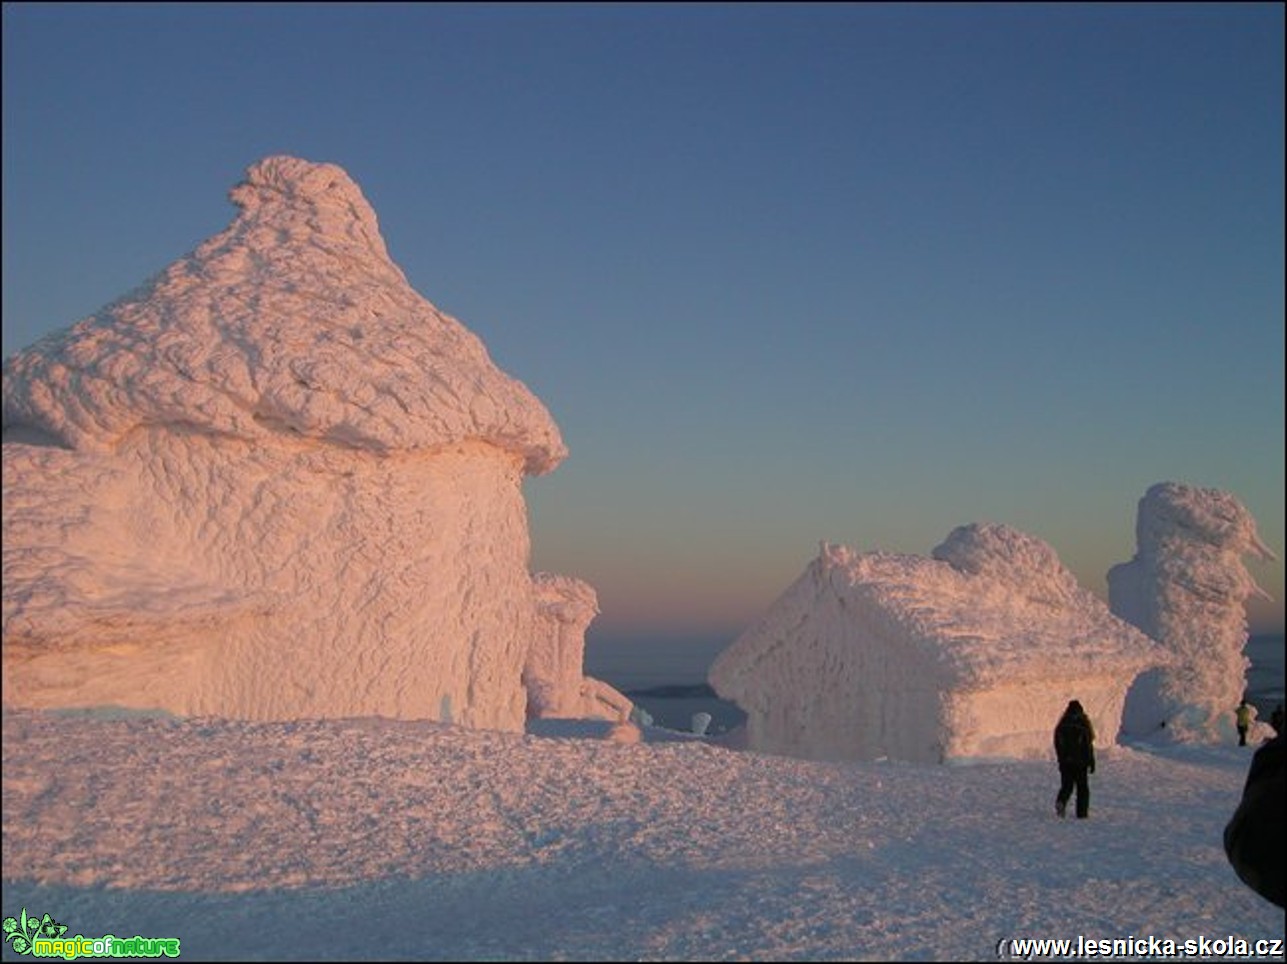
pixel 375 839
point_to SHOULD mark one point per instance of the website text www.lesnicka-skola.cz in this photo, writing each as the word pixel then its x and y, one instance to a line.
pixel 1140 948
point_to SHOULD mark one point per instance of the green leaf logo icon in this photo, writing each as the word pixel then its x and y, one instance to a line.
pixel 22 930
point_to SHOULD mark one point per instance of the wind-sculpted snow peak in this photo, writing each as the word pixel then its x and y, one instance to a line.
pixel 1029 566
pixel 1187 587
pixel 1172 513
pixel 293 321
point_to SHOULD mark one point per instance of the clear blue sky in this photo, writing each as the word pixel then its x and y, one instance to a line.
pixel 782 273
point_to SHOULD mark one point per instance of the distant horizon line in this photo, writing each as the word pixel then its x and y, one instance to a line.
pixel 712 637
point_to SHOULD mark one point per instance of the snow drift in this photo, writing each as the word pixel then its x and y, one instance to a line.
pixel 412 840
pixel 973 653
pixel 1187 587
pixel 273 482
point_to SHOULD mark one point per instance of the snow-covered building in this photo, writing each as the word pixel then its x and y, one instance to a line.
pixel 1187 587
pixel 556 686
pixel 973 653
pixel 273 482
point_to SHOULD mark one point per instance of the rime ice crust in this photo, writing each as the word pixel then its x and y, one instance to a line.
pixel 272 483
pixel 292 321
pixel 970 654
pixel 1187 587
pixel 556 687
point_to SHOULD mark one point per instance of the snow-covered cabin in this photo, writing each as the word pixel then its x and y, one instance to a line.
pixel 973 653
pixel 273 482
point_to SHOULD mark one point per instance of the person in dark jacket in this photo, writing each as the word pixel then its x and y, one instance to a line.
pixel 1254 838
pixel 1075 751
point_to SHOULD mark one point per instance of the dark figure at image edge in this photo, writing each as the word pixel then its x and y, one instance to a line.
pixel 1075 753
pixel 1253 840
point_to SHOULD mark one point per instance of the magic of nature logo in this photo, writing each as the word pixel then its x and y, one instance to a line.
pixel 45 937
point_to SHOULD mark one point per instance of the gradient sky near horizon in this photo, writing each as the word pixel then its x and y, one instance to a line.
pixel 782 273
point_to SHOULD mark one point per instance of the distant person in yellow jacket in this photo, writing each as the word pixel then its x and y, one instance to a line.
pixel 1245 715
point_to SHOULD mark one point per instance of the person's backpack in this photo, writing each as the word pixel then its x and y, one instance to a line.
pixel 1072 741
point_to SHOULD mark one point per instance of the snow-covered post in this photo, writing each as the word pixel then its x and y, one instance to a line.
pixel 700 722
pixel 552 674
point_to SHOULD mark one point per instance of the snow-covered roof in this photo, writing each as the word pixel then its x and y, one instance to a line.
pixel 992 605
pixel 291 321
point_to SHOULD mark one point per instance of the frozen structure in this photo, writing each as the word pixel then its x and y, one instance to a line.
pixel 556 687
pixel 701 723
pixel 973 653
pixel 1187 587
pixel 273 482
